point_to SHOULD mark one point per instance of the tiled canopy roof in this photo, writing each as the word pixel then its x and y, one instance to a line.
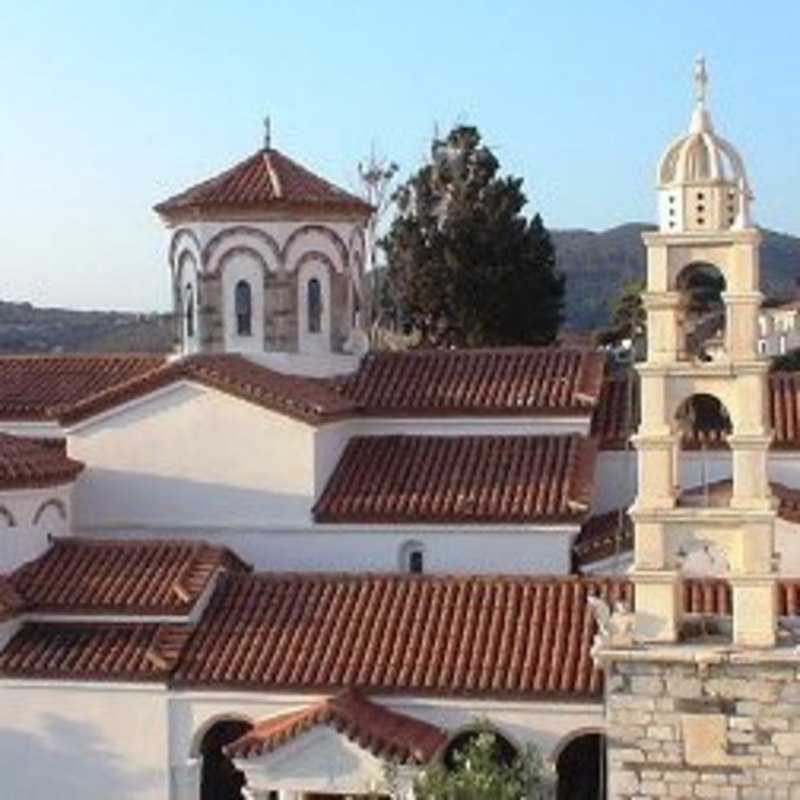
pixel 387 734
pixel 94 576
pixel 503 636
pixel 460 479
pixel 103 652
pixel 614 421
pixel 299 397
pixel 440 635
pixel 267 178
pixel 522 381
pixel 25 462
pixel 39 387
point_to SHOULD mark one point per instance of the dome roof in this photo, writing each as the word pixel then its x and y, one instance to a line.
pixel 701 156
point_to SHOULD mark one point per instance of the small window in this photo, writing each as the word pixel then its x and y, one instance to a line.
pixel 189 310
pixel 314 303
pixel 243 303
pixel 416 562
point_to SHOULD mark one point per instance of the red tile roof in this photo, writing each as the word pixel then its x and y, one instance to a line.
pixel 97 576
pixel 522 381
pixel 39 387
pixel 267 178
pixel 26 462
pixel 303 398
pixel 460 479
pixel 388 735
pixel 11 602
pixel 434 635
pixel 526 637
pixel 102 652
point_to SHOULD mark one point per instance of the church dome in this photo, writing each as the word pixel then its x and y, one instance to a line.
pixel 701 156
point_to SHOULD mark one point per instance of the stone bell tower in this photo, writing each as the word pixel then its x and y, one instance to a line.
pixel 704 229
pixel 695 707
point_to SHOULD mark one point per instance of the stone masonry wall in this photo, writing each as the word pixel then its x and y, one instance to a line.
pixel 720 731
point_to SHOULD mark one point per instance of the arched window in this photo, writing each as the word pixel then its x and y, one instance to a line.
pixel 581 767
pixel 412 558
pixel 189 310
pixel 243 306
pixel 314 305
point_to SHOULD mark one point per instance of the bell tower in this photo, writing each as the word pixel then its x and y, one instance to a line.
pixel 702 302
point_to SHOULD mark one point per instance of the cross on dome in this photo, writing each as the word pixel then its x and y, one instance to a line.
pixel 700 80
pixel 267 132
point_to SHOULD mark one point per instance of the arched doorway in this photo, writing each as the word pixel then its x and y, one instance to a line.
pixel 504 751
pixel 219 779
pixel 581 768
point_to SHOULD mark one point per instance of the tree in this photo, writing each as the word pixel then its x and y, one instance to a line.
pixel 465 267
pixel 628 318
pixel 479 774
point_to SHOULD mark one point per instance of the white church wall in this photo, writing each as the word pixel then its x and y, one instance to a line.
pixel 614 480
pixel 191 456
pixel 378 548
pixel 28 518
pixel 83 741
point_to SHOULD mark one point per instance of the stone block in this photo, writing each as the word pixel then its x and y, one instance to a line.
pixel 647 685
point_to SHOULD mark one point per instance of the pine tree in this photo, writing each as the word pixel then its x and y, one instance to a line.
pixel 466 268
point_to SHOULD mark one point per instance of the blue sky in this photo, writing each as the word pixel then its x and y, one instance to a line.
pixel 107 107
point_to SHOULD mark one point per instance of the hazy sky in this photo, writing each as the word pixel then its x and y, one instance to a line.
pixel 107 107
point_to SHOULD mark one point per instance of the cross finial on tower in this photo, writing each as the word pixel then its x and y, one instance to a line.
pixel 267 132
pixel 700 80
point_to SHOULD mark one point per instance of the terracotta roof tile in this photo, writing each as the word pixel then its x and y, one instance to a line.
pixel 267 178
pixel 460 479
pixel 303 398
pixel 522 381
pixel 26 462
pixel 387 734
pixel 11 602
pixel 39 387
pixel 103 652
pixel 431 635
pixel 527 637
pixel 97 576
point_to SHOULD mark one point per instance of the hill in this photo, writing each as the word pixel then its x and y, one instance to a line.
pixel 597 264
pixel 24 328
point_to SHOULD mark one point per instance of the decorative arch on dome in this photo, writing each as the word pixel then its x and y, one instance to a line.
pixel 7 518
pixel 184 240
pixel 54 503
pixel 339 247
pixel 241 250
pixel 258 241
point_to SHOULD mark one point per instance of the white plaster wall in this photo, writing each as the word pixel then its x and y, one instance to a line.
pixel 787 543
pixel 243 266
pixel 36 515
pixel 79 742
pixel 189 455
pixel 375 548
pixel 614 480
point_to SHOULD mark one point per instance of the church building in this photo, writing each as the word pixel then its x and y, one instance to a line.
pixel 278 565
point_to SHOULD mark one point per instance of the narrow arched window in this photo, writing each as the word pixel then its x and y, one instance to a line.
pixel 314 303
pixel 416 562
pixel 189 310
pixel 243 304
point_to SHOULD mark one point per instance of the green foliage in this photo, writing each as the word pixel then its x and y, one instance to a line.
pixel 789 362
pixel 479 774
pixel 466 268
pixel 628 316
